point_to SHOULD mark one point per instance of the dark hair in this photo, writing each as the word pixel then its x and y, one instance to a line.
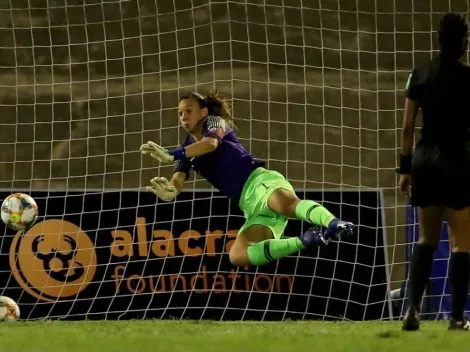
pixel 215 104
pixel 453 29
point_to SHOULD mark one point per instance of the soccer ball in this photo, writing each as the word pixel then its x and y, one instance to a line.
pixel 19 211
pixel 9 310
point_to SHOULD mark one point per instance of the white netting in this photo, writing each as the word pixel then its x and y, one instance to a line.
pixel 316 89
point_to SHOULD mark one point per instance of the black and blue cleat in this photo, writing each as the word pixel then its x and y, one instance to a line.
pixel 337 228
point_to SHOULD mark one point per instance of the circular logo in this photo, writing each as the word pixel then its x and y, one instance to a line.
pixel 53 259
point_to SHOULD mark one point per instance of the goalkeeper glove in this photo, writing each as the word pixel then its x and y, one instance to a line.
pixel 161 154
pixel 162 188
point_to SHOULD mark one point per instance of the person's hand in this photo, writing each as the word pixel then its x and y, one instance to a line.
pixel 157 152
pixel 162 188
pixel 405 184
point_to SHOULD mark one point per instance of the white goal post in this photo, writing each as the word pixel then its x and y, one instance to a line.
pixel 316 90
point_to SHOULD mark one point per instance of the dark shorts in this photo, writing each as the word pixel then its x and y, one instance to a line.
pixel 440 177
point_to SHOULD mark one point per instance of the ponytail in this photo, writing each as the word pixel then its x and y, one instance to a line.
pixel 453 29
pixel 218 106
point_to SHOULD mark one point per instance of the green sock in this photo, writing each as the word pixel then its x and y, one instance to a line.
pixel 268 250
pixel 314 213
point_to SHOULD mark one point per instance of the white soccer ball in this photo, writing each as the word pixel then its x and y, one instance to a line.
pixel 19 211
pixel 9 310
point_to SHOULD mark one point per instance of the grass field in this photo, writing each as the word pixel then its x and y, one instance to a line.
pixel 227 336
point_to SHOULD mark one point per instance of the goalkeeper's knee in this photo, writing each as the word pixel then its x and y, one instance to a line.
pixel 238 255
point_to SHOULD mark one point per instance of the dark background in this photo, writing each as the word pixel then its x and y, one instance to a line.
pixel 316 87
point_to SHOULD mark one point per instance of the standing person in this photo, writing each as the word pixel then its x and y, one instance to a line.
pixel 437 176
pixel 265 196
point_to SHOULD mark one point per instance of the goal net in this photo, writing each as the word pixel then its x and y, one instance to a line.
pixel 316 90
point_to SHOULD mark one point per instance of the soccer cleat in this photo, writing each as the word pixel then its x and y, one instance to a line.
pixel 459 325
pixel 411 321
pixel 312 237
pixel 336 228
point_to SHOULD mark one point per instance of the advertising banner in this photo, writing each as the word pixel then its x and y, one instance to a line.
pixel 125 254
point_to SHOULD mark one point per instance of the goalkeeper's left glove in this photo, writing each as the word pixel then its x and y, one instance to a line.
pixel 162 188
pixel 161 154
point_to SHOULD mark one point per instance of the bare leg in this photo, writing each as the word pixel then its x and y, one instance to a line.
pixel 254 234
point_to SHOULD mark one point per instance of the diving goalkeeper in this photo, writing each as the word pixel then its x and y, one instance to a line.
pixel 267 199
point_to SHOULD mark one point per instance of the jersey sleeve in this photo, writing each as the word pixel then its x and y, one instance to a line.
pixel 183 165
pixel 412 86
pixel 214 127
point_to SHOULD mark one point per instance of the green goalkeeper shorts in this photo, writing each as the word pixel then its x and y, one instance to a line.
pixel 254 200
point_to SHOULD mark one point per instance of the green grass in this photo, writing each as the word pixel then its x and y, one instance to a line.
pixel 184 336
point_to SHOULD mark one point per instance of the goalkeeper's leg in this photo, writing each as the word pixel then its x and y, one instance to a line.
pixel 285 202
pixel 256 245
pixel 268 201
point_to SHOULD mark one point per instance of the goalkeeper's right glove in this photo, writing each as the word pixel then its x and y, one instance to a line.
pixel 162 188
pixel 157 152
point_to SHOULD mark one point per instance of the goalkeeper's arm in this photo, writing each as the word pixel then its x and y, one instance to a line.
pixel 177 180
